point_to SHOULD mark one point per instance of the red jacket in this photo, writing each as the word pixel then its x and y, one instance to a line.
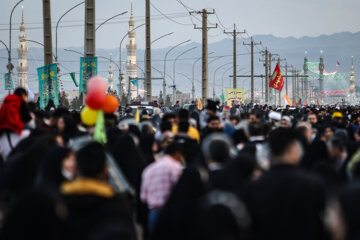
pixel 10 114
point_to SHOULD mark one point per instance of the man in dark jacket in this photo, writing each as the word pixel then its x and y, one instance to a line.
pixel 286 202
pixel 95 211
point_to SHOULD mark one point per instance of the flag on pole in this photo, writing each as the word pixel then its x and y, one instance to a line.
pixel 88 68
pixel 72 75
pixel 287 100
pixel 99 132
pixel 277 80
pixel 199 105
pixel 137 115
pixel 6 77
pixel 317 101
pixel 134 82
pixel 48 85
pixel 305 102
pixel 295 103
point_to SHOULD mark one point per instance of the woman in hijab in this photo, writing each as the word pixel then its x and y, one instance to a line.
pixel 66 126
pixel 130 161
pixel 59 165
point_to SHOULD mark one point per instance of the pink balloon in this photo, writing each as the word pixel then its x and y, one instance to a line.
pixel 96 84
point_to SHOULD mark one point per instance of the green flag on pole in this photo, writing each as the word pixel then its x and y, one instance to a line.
pixel 222 97
pixel 88 68
pixel 72 75
pixel 6 77
pixel 48 85
pixel 134 82
pixel 99 134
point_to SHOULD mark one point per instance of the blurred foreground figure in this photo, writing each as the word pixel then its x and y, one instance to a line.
pixel 286 202
pixel 95 211
pixel 13 114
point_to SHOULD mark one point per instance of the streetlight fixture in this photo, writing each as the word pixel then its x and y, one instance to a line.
pixel 117 15
pixel 10 66
pixel 57 25
pixel 39 43
pixel 174 84
pixel 164 80
pixel 215 76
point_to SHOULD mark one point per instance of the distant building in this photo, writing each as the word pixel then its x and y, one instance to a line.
pixel 22 67
pixel 131 47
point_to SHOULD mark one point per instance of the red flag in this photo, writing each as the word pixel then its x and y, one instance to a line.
pixel 277 80
pixel 300 101
pixel 305 103
pixel 318 102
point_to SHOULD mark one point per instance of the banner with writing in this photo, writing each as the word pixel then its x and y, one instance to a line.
pixel 6 77
pixel 48 85
pixel 234 95
pixel 88 68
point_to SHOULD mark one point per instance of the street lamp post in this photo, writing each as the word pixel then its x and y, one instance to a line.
pixel 39 43
pixel 215 76
pixel 157 39
pixel 57 25
pixel 164 80
pixel 174 86
pixel 10 66
pixel 117 15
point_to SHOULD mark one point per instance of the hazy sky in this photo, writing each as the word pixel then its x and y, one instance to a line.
pixel 283 18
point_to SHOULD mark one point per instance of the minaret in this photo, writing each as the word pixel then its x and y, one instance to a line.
pixel 352 80
pixel 22 67
pixel 321 75
pixel 111 77
pixel 131 46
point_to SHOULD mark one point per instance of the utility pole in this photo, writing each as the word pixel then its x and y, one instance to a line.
pixel 286 79
pixel 266 65
pixel 90 28
pixel 234 33
pixel 148 53
pixel 205 70
pixel 252 44
pixel 48 53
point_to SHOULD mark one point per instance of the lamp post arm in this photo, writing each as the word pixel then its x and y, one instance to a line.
pixel 110 19
pixel 57 25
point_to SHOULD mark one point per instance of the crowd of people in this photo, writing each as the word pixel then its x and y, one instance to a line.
pixel 239 172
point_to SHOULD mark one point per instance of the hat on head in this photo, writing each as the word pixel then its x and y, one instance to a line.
pixel 275 116
pixel 337 115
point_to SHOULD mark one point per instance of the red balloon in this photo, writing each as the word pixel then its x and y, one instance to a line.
pixel 95 99
pixel 111 104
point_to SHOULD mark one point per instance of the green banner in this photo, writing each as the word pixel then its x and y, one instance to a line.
pixel 88 68
pixel 134 82
pixel 48 85
pixel 72 75
pixel 6 77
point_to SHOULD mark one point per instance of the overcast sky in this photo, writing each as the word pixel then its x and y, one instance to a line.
pixel 283 18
